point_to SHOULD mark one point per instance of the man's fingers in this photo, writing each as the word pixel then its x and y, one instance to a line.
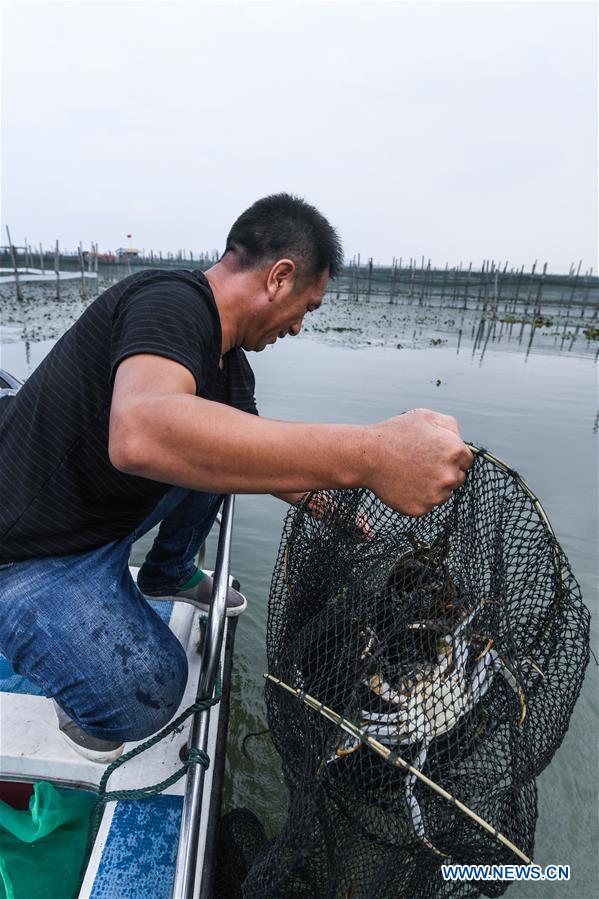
pixel 363 525
pixel 467 458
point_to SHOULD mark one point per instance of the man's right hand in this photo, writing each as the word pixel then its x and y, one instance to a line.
pixel 415 461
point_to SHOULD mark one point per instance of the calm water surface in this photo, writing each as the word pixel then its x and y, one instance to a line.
pixel 538 413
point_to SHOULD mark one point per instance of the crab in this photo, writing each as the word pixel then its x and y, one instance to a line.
pixel 431 699
pixel 420 578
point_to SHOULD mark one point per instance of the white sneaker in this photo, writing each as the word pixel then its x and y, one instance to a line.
pixel 101 751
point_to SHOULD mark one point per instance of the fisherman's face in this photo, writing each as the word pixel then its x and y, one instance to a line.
pixel 285 314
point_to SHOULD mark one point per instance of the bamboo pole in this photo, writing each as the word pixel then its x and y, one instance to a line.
pixel 421 297
pixel 530 282
pixel 396 760
pixel 585 295
pixel 520 276
pixel 575 282
pixel 508 291
pixel 480 285
pixel 500 284
pixel 486 285
pixel 456 281
pixel 393 279
pixel 444 281
pixel 57 270
pixel 13 257
pixel 466 292
pixel 81 272
pixel 95 268
pixel 539 298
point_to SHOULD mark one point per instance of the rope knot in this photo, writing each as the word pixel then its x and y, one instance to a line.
pixel 197 757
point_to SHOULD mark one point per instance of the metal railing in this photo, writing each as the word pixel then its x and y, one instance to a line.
pixel 187 853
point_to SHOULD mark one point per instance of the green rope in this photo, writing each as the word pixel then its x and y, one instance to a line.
pixel 193 757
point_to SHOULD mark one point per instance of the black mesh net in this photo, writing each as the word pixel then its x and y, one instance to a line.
pixel 454 644
pixel 240 837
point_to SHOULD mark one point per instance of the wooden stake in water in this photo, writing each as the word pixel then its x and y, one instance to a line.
pixel 530 282
pixel 466 293
pixel 539 298
pixel 508 290
pixel 518 285
pixel 586 292
pixel 81 272
pixel 13 257
pixel 57 269
pixel 575 282
pixel 456 281
pixel 500 285
pixel 393 277
pixel 42 269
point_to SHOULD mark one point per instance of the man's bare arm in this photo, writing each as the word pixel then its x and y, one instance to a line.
pixel 160 430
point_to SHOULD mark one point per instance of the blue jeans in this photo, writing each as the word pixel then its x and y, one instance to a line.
pixel 79 627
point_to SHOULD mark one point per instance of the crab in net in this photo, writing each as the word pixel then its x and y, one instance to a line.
pixel 432 698
pixel 440 667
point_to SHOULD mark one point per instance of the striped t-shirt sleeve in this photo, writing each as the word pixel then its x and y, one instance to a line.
pixel 167 319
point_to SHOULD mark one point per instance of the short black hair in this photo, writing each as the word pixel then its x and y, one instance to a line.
pixel 282 226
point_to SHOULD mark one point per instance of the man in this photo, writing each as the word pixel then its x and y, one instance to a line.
pixel 143 413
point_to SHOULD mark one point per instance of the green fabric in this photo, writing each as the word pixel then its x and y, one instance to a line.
pixel 42 850
pixel 196 577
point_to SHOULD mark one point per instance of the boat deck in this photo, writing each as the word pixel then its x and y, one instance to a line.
pixel 135 851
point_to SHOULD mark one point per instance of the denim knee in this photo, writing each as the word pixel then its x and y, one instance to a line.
pixel 134 699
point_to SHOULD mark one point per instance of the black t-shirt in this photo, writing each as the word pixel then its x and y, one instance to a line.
pixel 59 492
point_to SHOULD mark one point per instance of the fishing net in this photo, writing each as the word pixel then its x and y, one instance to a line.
pixel 422 674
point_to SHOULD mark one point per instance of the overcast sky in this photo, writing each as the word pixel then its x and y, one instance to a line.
pixel 458 130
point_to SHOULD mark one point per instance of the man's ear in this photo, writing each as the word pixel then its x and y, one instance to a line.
pixel 281 279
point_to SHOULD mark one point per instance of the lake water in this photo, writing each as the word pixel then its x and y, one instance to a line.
pixel 537 411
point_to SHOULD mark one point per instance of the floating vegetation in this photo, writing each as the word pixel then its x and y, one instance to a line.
pixel 537 322
pixel 367 321
pixel 512 320
pixel 337 328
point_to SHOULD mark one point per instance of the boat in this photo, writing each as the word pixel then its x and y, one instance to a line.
pixel 161 846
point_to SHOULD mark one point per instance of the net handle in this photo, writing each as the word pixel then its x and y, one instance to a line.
pixel 398 761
